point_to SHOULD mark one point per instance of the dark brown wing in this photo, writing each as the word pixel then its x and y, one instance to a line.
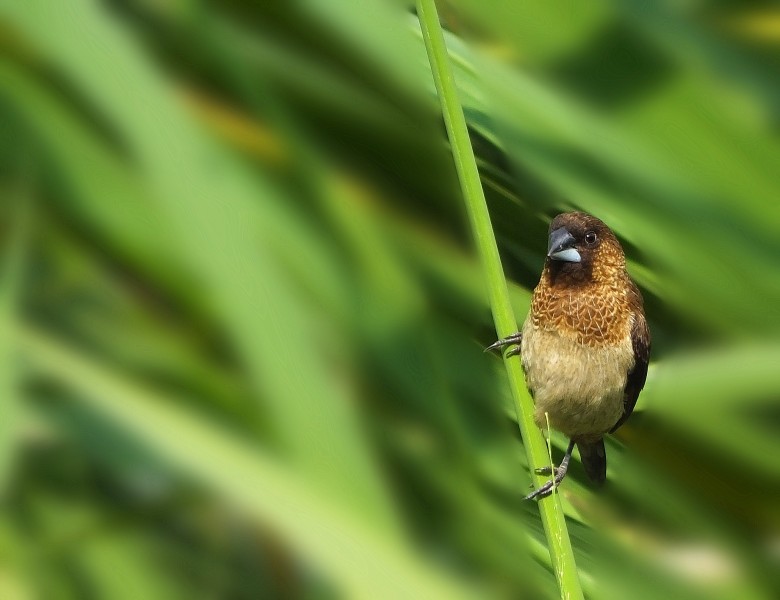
pixel 640 340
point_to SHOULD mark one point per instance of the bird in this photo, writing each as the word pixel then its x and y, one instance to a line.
pixel 585 344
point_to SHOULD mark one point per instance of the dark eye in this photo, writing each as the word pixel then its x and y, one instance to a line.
pixel 591 238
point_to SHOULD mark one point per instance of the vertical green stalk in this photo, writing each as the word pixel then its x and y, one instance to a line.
pixel 561 555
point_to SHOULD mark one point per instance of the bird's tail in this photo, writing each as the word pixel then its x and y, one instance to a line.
pixel 594 459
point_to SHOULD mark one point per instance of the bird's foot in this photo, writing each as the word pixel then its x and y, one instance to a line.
pixel 509 340
pixel 546 470
pixel 560 473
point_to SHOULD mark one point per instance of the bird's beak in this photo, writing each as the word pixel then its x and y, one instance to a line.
pixel 562 246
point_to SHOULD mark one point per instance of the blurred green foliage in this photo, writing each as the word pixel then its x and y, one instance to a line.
pixel 241 323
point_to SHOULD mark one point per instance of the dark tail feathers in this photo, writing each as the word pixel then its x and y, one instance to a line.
pixel 594 459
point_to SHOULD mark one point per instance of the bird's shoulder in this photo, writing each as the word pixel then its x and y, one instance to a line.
pixel 640 345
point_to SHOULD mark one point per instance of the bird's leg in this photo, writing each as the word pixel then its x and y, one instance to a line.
pixel 560 473
pixel 515 338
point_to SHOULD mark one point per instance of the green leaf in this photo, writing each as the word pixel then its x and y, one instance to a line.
pixel 363 561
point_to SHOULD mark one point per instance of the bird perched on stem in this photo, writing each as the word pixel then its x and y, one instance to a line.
pixel 585 344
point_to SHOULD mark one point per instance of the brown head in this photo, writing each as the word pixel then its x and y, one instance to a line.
pixel 582 250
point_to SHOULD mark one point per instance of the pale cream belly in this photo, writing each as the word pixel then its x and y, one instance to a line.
pixel 579 387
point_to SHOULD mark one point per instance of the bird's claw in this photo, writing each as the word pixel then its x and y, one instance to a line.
pixel 546 470
pixel 558 474
pixel 509 340
pixel 544 490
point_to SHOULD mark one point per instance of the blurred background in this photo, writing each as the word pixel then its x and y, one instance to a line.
pixel 241 320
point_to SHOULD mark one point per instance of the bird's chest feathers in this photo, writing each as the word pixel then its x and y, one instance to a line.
pixel 576 353
pixel 596 316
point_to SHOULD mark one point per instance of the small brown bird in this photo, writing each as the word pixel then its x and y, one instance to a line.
pixel 585 344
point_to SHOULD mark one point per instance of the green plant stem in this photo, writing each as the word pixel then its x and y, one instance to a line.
pixel 561 555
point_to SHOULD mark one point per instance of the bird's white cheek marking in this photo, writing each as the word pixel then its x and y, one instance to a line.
pixel 580 387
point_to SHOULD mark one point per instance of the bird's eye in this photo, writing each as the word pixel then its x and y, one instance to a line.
pixel 591 238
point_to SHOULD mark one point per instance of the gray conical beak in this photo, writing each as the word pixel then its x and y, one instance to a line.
pixel 562 246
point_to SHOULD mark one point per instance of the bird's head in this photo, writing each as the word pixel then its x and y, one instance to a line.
pixel 582 249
